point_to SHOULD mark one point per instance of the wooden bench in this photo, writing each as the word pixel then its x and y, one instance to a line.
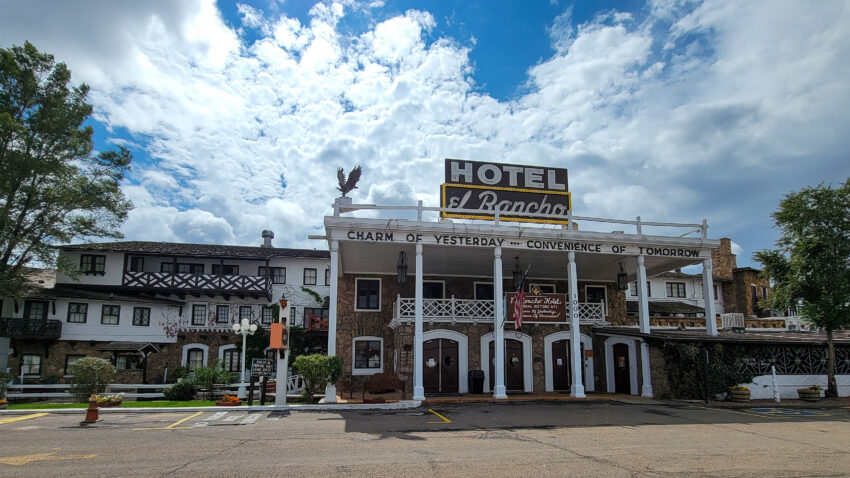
pixel 384 381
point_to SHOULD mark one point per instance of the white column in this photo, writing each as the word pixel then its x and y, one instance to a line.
pixel 418 388
pixel 499 390
pixel 708 297
pixel 643 317
pixel 330 389
pixel 577 389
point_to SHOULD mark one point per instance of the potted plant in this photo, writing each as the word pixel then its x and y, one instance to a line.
pixel 229 401
pixel 375 399
pixel 809 394
pixel 739 393
pixel 112 400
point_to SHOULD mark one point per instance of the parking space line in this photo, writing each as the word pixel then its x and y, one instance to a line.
pixel 21 417
pixel 444 419
pixel 252 418
pixel 173 426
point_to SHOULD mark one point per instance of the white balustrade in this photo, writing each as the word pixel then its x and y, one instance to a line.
pixel 472 311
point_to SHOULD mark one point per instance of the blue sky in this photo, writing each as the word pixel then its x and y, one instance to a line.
pixel 238 113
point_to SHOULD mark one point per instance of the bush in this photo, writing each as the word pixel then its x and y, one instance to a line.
pixel 5 380
pixel 178 374
pixel 208 377
pixel 181 391
pixel 686 368
pixel 318 371
pixel 90 375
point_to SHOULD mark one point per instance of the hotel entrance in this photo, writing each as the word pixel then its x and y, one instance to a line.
pixel 561 376
pixel 514 367
pixel 441 366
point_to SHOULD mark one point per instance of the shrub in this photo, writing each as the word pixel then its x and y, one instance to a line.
pixel 686 369
pixel 5 380
pixel 318 371
pixel 90 375
pixel 178 374
pixel 208 377
pixel 181 391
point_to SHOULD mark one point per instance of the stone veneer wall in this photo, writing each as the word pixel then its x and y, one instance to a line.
pixel 723 262
pixel 744 278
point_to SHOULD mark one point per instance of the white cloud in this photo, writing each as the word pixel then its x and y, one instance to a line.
pixel 693 110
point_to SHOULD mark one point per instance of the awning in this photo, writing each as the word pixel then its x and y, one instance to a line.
pixel 144 348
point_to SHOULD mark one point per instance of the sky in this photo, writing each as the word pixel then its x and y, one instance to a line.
pixel 238 114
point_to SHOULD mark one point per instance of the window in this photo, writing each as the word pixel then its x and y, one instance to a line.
pixel 714 287
pixel 368 294
pixel 167 267
pixel 484 291
pixel 292 315
pixel 142 316
pixel 313 316
pixel 763 292
pixel 368 352
pixel 244 312
pixel 69 360
pixel 77 312
pixel 226 269
pixel 633 289
pixel 309 276
pixel 35 309
pixel 199 314
pixel 197 269
pixel 31 364
pixel 137 264
pixel 544 288
pixel 432 290
pixel 277 274
pixel 194 359
pixel 327 277
pixel 231 359
pixel 675 289
pixel 91 264
pixel 128 362
pixel 755 292
pixel 222 314
pixel 109 314
pixel 268 315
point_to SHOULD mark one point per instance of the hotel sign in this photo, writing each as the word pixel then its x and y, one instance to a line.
pixel 511 189
pixel 541 308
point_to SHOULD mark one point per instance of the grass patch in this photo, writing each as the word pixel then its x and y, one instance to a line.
pixel 145 404
pixel 45 406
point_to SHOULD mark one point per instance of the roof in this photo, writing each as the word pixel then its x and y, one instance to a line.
pixel 749 269
pixel 183 249
pixel 144 347
pixel 104 293
pixel 665 307
pixel 767 337
pixel 678 274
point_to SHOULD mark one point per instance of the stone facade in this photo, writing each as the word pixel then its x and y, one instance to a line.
pixel 745 278
pixel 723 262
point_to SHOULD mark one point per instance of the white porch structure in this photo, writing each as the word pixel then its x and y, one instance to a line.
pixel 362 244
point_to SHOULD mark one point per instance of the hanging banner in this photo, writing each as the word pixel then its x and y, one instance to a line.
pixel 540 308
pixel 510 189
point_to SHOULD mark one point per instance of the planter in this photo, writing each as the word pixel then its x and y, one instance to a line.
pixel 108 404
pixel 739 395
pixel 222 403
pixel 374 400
pixel 808 394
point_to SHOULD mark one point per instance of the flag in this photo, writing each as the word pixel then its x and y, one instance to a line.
pixel 519 299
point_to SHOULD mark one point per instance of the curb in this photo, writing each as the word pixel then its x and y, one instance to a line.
pixel 402 405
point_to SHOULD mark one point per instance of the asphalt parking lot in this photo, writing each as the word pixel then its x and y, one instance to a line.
pixel 549 438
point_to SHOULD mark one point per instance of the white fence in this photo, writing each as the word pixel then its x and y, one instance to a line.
pixel 472 311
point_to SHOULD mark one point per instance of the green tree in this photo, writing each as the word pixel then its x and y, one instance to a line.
pixel 811 265
pixel 52 188
pixel 207 378
pixel 91 375
pixel 318 371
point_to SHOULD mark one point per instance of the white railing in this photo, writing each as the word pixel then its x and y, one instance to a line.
pixel 472 311
pixel 732 320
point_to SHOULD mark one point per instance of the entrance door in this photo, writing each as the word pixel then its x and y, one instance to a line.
pixel 561 365
pixel 514 370
pixel 440 373
pixel 596 294
pixel 622 377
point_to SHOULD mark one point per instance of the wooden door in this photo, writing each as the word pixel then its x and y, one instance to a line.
pixel 440 371
pixel 514 374
pixel 561 365
pixel 431 368
pixel 622 376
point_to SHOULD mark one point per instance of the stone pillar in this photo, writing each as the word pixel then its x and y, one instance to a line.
pixel 708 297
pixel 646 390
pixel 330 389
pixel 498 327
pixel 577 389
pixel 418 388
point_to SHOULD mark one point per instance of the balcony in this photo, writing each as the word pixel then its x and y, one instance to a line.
pixel 32 329
pixel 472 311
pixel 199 283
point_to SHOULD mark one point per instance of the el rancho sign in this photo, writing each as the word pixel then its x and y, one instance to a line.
pixel 511 189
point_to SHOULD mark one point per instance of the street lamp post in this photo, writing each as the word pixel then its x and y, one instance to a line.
pixel 245 328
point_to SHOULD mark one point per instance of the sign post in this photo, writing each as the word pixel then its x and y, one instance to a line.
pixel 280 341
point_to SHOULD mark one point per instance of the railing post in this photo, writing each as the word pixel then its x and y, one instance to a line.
pixel 570 220
pixel 454 312
pixel 704 228
pixel 637 223
pixel 398 306
pixel 496 218
pixel 419 211
pixel 336 207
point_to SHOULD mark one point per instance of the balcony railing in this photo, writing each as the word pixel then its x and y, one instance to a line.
pixel 472 311
pixel 316 323
pixel 37 329
pixel 234 284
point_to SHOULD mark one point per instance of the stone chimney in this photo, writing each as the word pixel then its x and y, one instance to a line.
pixel 267 238
pixel 723 261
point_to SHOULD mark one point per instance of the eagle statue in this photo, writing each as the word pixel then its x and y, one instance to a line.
pixel 346 186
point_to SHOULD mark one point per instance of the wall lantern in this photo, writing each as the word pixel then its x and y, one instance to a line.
pixel 402 267
pixel 517 273
pixel 622 279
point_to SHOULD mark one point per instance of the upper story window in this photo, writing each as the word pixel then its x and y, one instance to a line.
pixel 222 314
pixel 432 289
pixel 368 294
pixel 268 315
pixel 35 309
pixel 634 292
pixel 276 274
pixel 77 312
pixel 675 289
pixel 142 316
pixel 763 292
pixel 92 264
pixel 225 270
pixel 755 293
pixel 483 291
pixel 327 277
pixel 110 314
pixel 309 276
pixel 199 314
pixel 543 288
pixel 714 287
pixel 182 268
pixel 244 312
pixel 137 264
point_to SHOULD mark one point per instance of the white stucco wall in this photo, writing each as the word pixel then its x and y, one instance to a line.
pixel 762 386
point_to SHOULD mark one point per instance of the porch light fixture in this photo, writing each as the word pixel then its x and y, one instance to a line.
pixel 622 279
pixel 517 273
pixel 402 267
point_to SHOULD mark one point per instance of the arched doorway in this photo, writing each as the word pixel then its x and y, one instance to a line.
pixel 461 359
pixel 514 367
pixel 621 367
pixel 557 346
pixel 440 371
pixel 518 362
